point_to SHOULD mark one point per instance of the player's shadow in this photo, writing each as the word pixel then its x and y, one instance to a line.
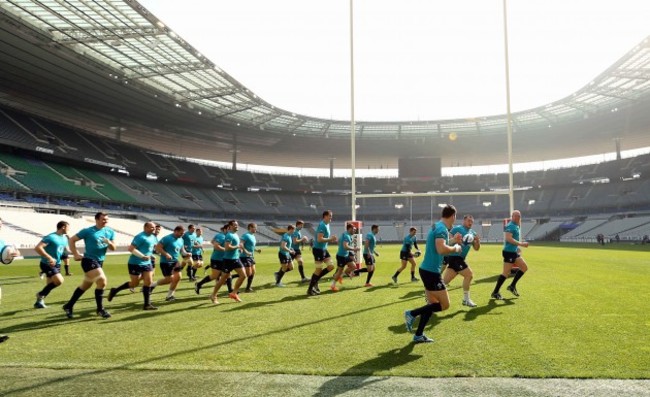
pixel 491 279
pixel 251 305
pixel 355 378
pixel 15 280
pixel 472 314
pixel 163 310
pixel 50 322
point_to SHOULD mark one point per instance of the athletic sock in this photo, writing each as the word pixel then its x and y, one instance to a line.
pixel 500 282
pixel 122 287
pixel 280 275
pixel 193 272
pixel 518 275
pixel 322 274
pixel 357 271
pixel 313 282
pixel 205 279
pixel 75 297
pixel 396 274
pixel 154 284
pixel 99 296
pixel 67 269
pixel 412 274
pixel 146 292
pixel 46 290
pixel 424 319
pixel 466 295
pixel 369 277
pixel 170 293
pixel 301 269
pixel 429 308
pixel 249 281
pixel 229 284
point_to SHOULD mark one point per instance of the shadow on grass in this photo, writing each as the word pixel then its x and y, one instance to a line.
pixel 16 280
pixel 359 376
pixel 381 361
pixel 472 314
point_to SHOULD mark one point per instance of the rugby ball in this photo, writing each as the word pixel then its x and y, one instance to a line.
pixel 7 254
pixel 468 239
pixel 417 254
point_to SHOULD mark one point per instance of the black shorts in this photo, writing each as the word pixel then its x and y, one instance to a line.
pixel 368 259
pixel 137 270
pixel 216 264
pixel 445 260
pixel 284 259
pixel 231 264
pixel 456 263
pixel 198 257
pixel 247 261
pixel 405 255
pixel 320 255
pixel 342 261
pixel 432 281
pixel 296 252
pixel 48 270
pixel 64 256
pixel 88 264
pixel 168 268
pixel 153 261
pixel 510 257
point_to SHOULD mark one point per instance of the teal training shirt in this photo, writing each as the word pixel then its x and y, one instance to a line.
pixel 514 229
pixel 323 228
pixel 463 232
pixel 432 259
pixel 94 240
pixel 372 243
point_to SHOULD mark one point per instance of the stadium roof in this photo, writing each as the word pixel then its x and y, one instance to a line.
pixel 140 50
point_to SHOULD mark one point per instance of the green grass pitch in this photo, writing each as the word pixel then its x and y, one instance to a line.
pixel 583 313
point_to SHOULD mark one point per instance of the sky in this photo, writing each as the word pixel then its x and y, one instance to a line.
pixel 413 59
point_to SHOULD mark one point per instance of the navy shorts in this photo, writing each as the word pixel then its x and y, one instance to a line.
pixel 405 255
pixel 296 252
pixel 342 261
pixel 320 255
pixel 247 261
pixel 510 257
pixel 284 259
pixel 64 256
pixel 137 270
pixel 88 264
pixel 168 268
pixel 369 259
pixel 457 263
pixel 231 264
pixel 48 270
pixel 432 281
pixel 198 257
pixel 216 264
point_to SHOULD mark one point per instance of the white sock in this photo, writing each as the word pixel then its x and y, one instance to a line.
pixel 154 284
pixel 170 293
pixel 466 295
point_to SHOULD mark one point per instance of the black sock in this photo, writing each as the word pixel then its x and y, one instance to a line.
pixel 229 284
pixel 424 319
pixel 323 273
pixel 189 271
pixel 396 274
pixel 369 276
pixel 312 282
pixel 280 275
pixel 358 271
pixel 234 276
pixel 206 279
pixel 500 282
pixel 518 275
pixel 67 269
pixel 194 272
pixel 249 281
pixel 430 308
pixel 412 274
pixel 146 291
pixel 301 269
pixel 122 287
pixel 75 297
pixel 46 290
pixel 99 295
